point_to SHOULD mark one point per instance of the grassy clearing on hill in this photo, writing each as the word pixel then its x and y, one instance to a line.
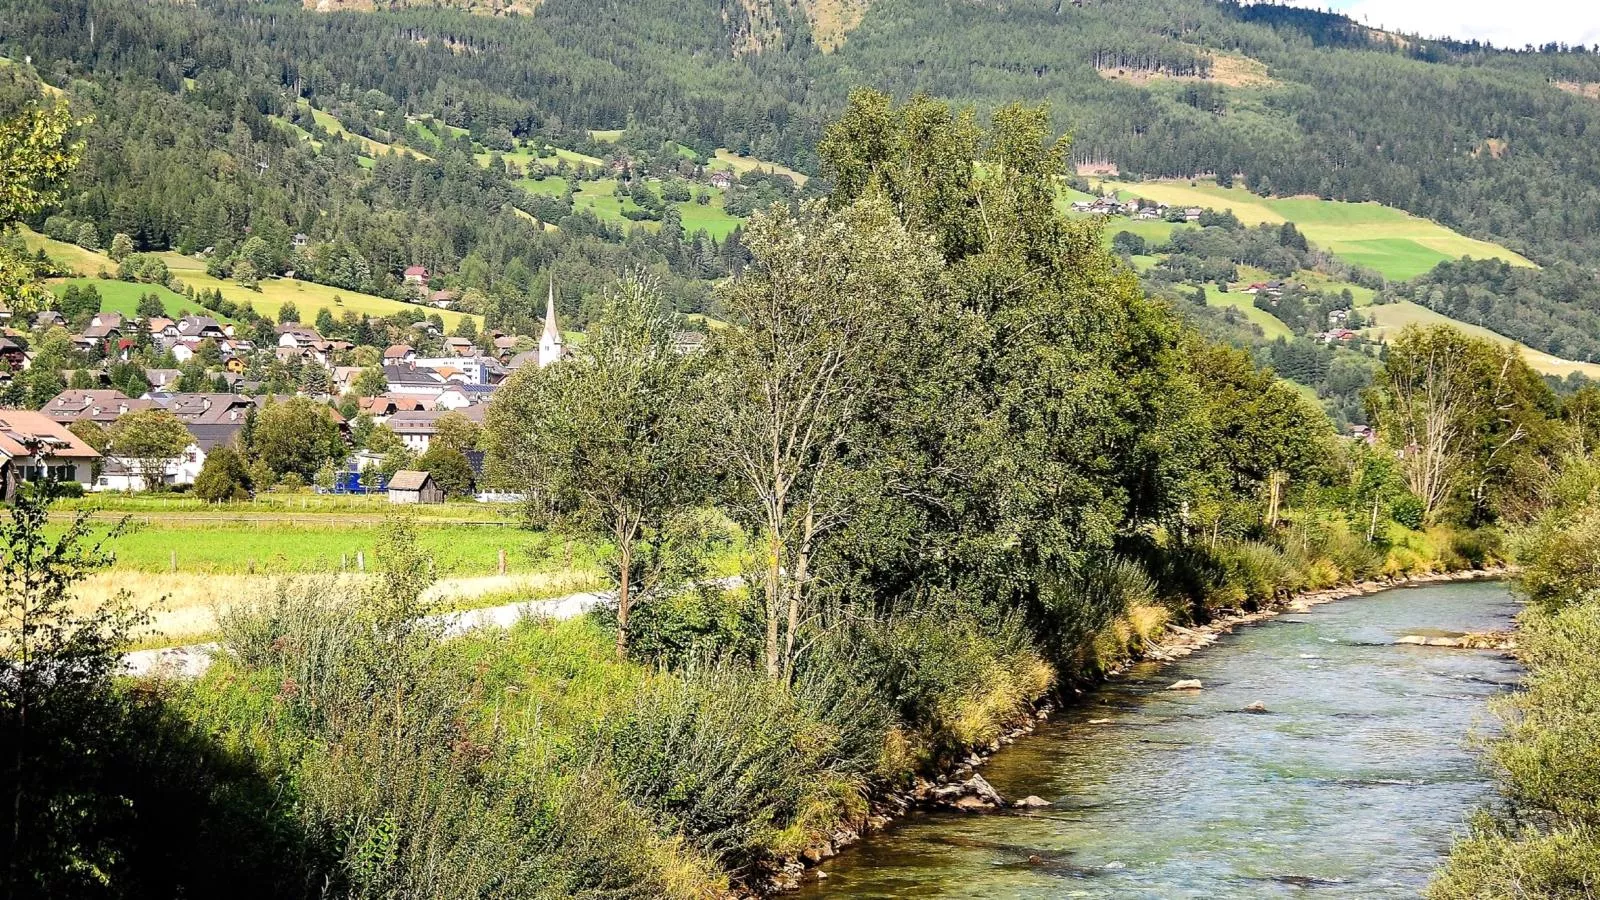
pixel 274 292
pixel 727 159
pixel 123 296
pixel 1271 325
pixel 332 125
pixel 1389 318
pixel 1396 243
pixel 713 218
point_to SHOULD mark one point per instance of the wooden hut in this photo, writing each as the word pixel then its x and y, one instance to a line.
pixel 408 486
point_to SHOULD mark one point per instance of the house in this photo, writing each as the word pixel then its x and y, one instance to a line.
pixel 293 334
pixel 49 319
pixel 459 346
pixel 1192 214
pixel 525 358
pixel 344 377
pixel 102 407
pixel 1337 334
pixel 399 355
pixel 459 396
pixel 1338 316
pixel 383 406
pixel 200 328
pixel 13 354
pixel 35 448
pixel 125 474
pixel 443 299
pixel 209 409
pixel 721 180
pixel 162 379
pixel 416 275
pixel 465 369
pixel 103 331
pixel 416 429
pixel 299 240
pixel 408 486
pixel 413 381
pixel 685 342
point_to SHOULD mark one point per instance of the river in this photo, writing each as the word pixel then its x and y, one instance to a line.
pixel 1352 785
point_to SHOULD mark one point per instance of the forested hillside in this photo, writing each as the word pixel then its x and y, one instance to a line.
pixel 373 131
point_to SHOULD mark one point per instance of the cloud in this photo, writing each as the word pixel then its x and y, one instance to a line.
pixel 1500 23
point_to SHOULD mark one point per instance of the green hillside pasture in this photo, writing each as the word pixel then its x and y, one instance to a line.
pixel 550 185
pixel 1388 319
pixel 727 159
pixel 123 296
pixel 274 292
pixel 306 296
pixel 1396 243
pixel 712 218
pixel 605 135
pixel 1271 325
pixel 332 125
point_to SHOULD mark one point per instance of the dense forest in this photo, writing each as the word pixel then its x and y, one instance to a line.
pixel 205 127
pixel 1555 309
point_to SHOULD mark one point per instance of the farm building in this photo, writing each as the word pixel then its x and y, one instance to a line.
pixel 408 486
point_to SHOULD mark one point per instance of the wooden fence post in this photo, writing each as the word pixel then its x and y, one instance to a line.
pixel 361 560
pixel 502 560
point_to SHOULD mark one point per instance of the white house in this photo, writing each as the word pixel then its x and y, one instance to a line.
pixel 34 448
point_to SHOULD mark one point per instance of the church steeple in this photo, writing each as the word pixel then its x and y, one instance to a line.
pixel 550 344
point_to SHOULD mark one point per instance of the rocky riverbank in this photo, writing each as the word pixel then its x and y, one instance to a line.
pixel 962 788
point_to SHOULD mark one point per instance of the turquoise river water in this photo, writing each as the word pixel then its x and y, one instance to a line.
pixel 1351 786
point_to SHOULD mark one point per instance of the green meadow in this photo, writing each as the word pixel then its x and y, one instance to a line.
pixel 1395 243
pixel 272 294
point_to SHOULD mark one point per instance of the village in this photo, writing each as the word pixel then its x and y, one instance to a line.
pixel 387 412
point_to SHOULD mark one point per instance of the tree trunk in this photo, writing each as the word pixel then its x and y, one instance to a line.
pixel 624 595
pixel 774 600
pixel 797 590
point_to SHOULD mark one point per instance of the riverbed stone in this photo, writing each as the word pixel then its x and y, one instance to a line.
pixel 1031 802
pixel 1187 684
pixel 1256 707
pixel 980 788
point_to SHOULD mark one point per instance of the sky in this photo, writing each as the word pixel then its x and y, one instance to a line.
pixel 1505 24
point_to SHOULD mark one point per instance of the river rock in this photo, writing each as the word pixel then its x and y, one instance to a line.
pixel 1256 707
pixel 1031 802
pixel 1187 684
pixel 980 788
pixel 1416 639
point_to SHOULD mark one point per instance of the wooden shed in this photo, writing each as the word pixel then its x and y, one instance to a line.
pixel 408 486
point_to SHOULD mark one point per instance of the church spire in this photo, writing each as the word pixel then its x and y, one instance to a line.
pixel 550 342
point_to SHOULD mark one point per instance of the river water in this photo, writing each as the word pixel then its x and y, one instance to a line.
pixel 1352 785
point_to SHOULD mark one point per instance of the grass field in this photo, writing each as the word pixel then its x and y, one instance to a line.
pixel 332 125
pixel 1271 325
pixel 727 159
pixel 123 296
pixel 274 292
pixel 712 218
pixel 1389 318
pixel 1397 244
pixel 218 545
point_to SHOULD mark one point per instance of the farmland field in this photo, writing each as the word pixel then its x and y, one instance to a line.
pixel 306 296
pixel 1389 318
pixel 1396 243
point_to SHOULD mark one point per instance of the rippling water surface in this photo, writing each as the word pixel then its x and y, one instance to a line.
pixel 1353 785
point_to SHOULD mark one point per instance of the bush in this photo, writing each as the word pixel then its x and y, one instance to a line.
pixel 1563 864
